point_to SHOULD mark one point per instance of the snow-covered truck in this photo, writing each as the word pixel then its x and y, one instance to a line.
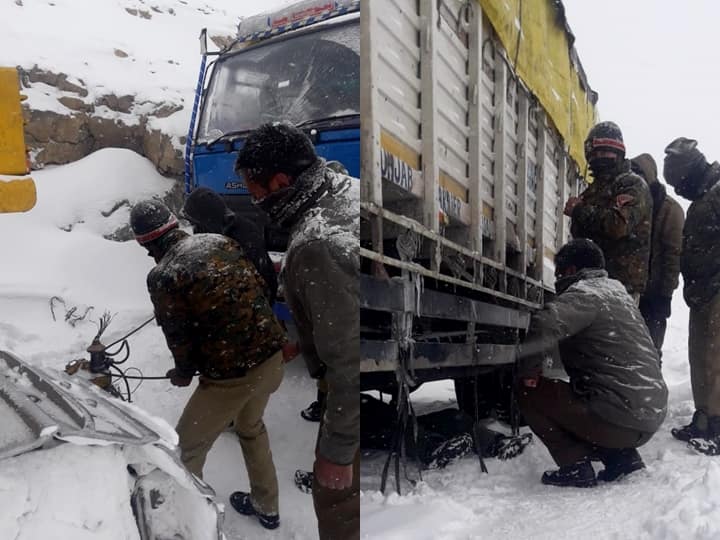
pixel 473 119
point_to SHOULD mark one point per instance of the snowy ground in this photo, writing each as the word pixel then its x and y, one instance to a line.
pixel 57 249
pixel 677 497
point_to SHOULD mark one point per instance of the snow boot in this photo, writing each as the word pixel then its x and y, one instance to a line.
pixel 619 463
pixel 580 474
pixel 710 444
pixel 696 429
pixel 313 413
pixel 304 481
pixel 450 451
pixel 241 502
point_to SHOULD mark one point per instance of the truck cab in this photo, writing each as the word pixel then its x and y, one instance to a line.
pixel 300 64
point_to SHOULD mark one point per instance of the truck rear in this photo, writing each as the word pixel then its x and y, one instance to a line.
pixel 473 119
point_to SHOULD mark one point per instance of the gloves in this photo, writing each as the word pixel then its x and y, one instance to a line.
pixel 176 379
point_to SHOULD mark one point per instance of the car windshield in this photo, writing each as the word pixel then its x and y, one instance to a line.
pixel 313 76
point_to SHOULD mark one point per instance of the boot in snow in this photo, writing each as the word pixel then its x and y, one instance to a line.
pixel 619 463
pixel 241 502
pixel 304 481
pixel 696 429
pixel 580 474
pixel 313 413
pixel 709 445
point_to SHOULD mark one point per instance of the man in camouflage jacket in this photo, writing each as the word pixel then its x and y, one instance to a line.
pixel 615 212
pixel 693 178
pixel 209 301
pixel 664 270
pixel 320 278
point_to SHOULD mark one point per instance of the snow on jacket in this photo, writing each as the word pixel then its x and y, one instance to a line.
pixel 605 348
pixel 667 224
pixel 320 279
pixel 700 261
pixel 209 301
pixel 616 214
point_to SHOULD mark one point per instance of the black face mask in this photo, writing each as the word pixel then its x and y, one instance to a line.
pixel 274 200
pixel 690 188
pixel 603 166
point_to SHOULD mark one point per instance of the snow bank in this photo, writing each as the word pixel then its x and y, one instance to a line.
pixel 41 260
pixel 124 47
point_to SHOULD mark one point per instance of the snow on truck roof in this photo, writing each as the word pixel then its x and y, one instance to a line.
pixel 295 16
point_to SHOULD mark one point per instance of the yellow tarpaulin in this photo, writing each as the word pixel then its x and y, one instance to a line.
pixel 534 34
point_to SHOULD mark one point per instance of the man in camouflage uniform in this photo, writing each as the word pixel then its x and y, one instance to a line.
pixel 210 304
pixel 320 278
pixel 615 212
pixel 687 170
pixel 664 270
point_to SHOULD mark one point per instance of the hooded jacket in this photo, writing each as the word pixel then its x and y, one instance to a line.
pixel 605 349
pixel 667 225
pixel 320 279
pixel 616 214
pixel 700 262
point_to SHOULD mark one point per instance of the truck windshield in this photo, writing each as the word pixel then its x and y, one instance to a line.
pixel 313 76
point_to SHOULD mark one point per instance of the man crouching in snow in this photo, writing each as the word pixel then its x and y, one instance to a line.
pixel 320 277
pixel 616 398
pixel 209 301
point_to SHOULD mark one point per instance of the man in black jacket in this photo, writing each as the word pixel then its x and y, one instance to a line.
pixel 208 213
pixel 698 181
pixel 616 398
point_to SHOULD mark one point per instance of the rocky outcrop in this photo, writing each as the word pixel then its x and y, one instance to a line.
pixel 87 125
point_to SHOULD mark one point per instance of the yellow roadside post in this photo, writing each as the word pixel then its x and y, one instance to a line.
pixel 17 191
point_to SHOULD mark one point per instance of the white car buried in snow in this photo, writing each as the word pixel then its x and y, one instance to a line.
pixel 77 464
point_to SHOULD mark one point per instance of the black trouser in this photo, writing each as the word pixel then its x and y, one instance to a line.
pixel 566 425
pixel 656 326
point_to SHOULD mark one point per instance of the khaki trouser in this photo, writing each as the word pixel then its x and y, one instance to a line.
pixel 568 428
pixel 216 403
pixel 338 511
pixel 704 355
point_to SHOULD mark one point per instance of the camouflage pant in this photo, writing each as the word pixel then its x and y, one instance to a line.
pixel 216 403
pixel 704 355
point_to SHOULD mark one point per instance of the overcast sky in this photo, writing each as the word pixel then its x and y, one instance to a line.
pixel 656 66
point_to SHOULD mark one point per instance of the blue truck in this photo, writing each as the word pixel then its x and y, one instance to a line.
pixel 299 64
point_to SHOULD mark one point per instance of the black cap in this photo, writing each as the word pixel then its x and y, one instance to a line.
pixel 276 148
pixel 605 136
pixel 150 220
pixel 206 208
pixel 682 159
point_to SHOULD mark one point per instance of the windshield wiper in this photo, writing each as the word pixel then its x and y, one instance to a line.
pixel 230 135
pixel 328 121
